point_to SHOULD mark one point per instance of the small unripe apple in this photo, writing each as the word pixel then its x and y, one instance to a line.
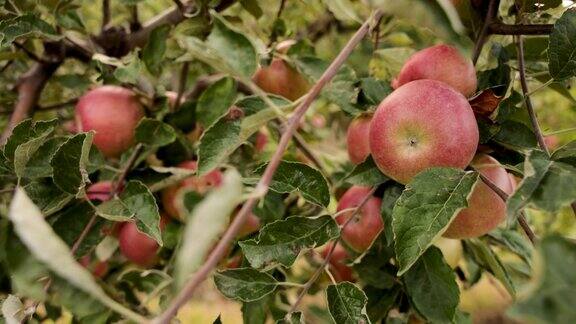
pixel 261 141
pixel 195 183
pixel 339 269
pixel 138 247
pixel 98 268
pixel 113 113
pixel 485 208
pixel 281 79
pixel 366 225
pixel 551 142
pixel 422 124
pixel 442 63
pixel 358 140
pixel 486 301
pixel 451 250
pixel 100 191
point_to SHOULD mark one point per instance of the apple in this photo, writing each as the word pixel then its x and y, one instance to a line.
pixel 138 247
pixel 451 250
pixel 280 78
pixel 422 124
pixel 98 268
pixel 100 191
pixel 442 63
pixel 551 142
pixel 367 224
pixel 251 225
pixel 358 140
pixel 485 208
pixel 486 301
pixel 113 113
pixel 261 141
pixel 339 269
pixel 198 184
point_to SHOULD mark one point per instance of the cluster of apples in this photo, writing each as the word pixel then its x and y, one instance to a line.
pixel 425 122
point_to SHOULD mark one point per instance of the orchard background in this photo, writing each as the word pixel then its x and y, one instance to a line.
pixel 232 167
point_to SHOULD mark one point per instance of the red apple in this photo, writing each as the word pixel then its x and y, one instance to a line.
pixel 98 268
pixel 422 124
pixel 358 139
pixel 442 63
pixel 261 141
pixel 251 225
pixel 198 184
pixel 339 269
pixel 485 208
pixel 113 113
pixel 100 191
pixel 367 224
pixel 281 79
pixel 138 247
pixel 551 142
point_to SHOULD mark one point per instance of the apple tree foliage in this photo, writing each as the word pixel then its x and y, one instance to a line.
pixel 208 52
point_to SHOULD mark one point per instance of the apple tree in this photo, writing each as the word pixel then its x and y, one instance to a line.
pixel 303 161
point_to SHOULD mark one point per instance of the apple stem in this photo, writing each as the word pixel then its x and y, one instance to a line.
pixel 521 218
pixel 529 107
pixel 263 185
pixel 328 256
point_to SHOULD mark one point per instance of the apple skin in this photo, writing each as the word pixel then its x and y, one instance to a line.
pixel 442 63
pixel 338 267
pixel 138 247
pixel 198 184
pixel 451 250
pixel 422 124
pixel 485 208
pixel 113 113
pixel 362 231
pixel 486 301
pixel 281 79
pixel 551 142
pixel 251 225
pixel 100 191
pixel 261 141
pixel 98 268
pixel 358 139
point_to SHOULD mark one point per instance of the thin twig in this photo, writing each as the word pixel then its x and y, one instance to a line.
pixel 7 65
pixel 135 24
pixel 521 218
pixel 180 5
pixel 497 28
pixel 320 269
pixel 105 13
pixel 376 38
pixel 573 205
pixel 263 185
pixel 181 85
pixel 28 52
pixel 524 84
pixel 485 31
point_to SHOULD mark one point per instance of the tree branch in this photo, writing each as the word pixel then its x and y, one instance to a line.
pixel 521 218
pixel 105 13
pixel 524 84
pixel 485 31
pixel 498 28
pixel 322 266
pixel 181 85
pixel 264 183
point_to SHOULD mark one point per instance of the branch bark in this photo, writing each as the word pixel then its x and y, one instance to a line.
pixel 264 183
pixel 498 28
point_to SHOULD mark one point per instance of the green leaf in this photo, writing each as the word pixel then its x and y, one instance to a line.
pixel 235 48
pixel 155 48
pixel 25 131
pixel 154 133
pixel 47 196
pixel 551 292
pixel 70 19
pixel 84 308
pixel 245 284
pixel 282 241
pixel 296 176
pixel 538 5
pixel 38 165
pixel 366 174
pixel 252 7
pixel 28 24
pixel 206 223
pixel 45 245
pixel 217 143
pixel 71 222
pixel 69 164
pixel 25 151
pixel 483 255
pixel 375 269
pixel 271 208
pixel 215 101
pixel 561 49
pixel 347 303
pixel 566 154
pixel 373 91
pixel 343 10
pixel 389 199
pixel 513 241
pixel 380 301
pixel 138 199
pixel 255 312
pixel 432 287
pixel 131 71
pixel 547 185
pixel 430 202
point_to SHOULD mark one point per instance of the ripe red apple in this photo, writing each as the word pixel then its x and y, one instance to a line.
pixel 281 79
pixel 358 139
pixel 367 224
pixel 98 268
pixel 339 269
pixel 198 184
pixel 137 246
pixel 442 63
pixel 113 113
pixel 551 142
pixel 100 191
pixel 251 225
pixel 485 208
pixel 261 141
pixel 422 124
